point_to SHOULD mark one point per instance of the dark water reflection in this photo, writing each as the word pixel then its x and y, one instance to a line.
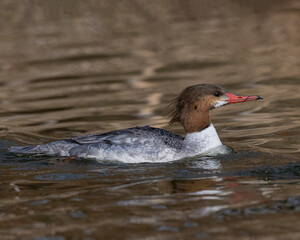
pixel 69 68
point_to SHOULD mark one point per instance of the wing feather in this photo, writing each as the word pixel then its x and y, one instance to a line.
pixel 132 136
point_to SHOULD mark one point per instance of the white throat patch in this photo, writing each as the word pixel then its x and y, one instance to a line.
pixel 220 103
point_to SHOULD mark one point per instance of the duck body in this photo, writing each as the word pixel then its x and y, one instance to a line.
pixel 148 144
pixel 132 145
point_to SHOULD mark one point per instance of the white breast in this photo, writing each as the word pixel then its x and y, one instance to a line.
pixel 203 141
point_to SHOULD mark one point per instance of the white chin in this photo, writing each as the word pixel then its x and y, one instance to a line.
pixel 220 103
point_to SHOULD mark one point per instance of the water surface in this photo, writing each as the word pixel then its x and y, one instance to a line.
pixel 90 68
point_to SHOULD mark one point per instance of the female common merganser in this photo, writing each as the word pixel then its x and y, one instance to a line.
pixel 148 144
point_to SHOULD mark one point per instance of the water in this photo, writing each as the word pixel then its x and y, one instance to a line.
pixel 70 68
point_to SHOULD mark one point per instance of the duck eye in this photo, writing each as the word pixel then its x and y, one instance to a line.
pixel 217 94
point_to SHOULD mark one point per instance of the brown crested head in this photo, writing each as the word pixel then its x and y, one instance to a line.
pixel 191 108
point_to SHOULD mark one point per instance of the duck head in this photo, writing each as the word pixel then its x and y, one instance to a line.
pixel 191 108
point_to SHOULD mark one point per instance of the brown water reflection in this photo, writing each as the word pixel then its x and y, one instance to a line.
pixel 69 68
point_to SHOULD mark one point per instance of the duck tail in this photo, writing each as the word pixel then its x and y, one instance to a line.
pixel 24 149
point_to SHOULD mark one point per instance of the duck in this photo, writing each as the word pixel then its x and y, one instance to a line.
pixel 149 144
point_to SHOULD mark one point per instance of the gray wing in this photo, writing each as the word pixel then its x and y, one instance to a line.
pixel 133 136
